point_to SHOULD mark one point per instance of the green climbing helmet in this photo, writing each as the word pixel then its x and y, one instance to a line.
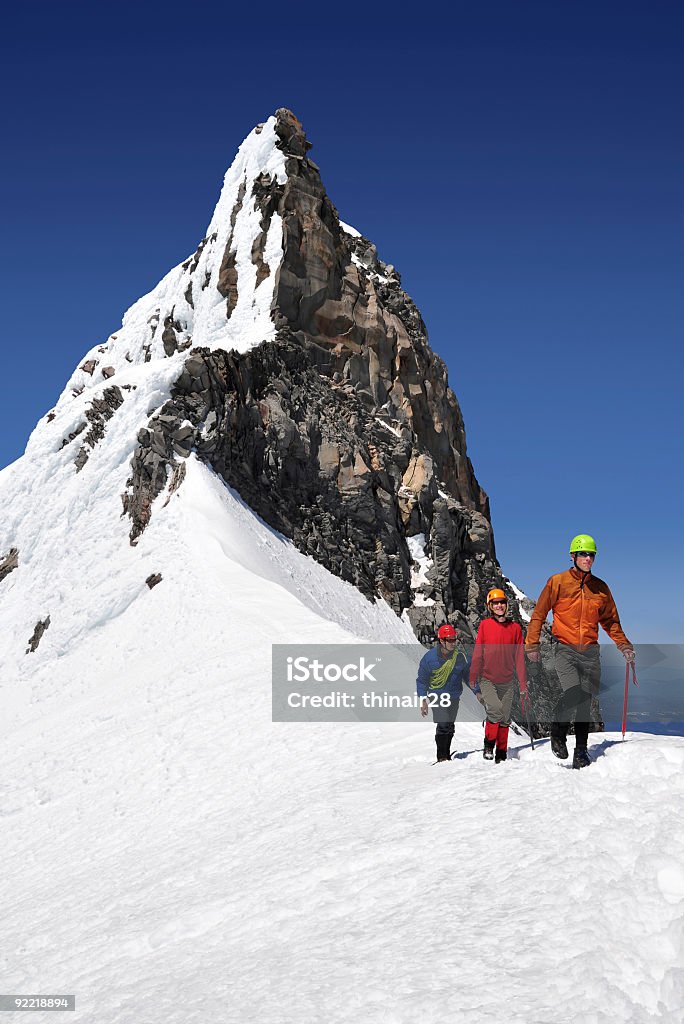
pixel 582 542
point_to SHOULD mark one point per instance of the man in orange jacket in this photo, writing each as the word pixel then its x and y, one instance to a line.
pixel 580 602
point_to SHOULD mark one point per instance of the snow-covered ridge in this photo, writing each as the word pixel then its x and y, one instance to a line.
pixel 186 308
pixel 223 572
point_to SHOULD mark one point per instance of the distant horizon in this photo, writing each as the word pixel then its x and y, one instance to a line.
pixel 519 168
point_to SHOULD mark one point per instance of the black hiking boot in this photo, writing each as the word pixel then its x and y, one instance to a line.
pixel 559 747
pixel 501 755
pixel 443 747
pixel 581 759
pixel 488 752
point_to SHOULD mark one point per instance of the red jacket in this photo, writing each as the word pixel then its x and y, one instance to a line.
pixel 499 653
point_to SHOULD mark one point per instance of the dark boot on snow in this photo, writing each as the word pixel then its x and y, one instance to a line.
pixel 558 745
pixel 581 759
pixel 488 752
pixel 501 755
pixel 443 747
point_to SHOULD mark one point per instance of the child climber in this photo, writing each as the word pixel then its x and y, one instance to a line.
pixel 499 656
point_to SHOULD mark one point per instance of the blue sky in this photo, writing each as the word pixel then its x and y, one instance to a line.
pixel 520 163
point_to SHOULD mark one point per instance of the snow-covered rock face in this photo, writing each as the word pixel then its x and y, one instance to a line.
pixel 284 356
pixel 195 304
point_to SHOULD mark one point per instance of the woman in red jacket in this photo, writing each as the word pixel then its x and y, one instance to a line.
pixel 499 656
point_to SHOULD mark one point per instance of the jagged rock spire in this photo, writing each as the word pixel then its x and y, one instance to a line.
pixel 341 430
pixel 285 354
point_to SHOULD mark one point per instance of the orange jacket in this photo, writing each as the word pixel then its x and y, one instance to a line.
pixel 580 602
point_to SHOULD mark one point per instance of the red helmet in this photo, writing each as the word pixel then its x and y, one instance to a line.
pixel 446 632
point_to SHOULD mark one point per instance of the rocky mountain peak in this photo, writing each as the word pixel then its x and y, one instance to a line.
pixel 341 429
pixel 284 354
pixel 290 133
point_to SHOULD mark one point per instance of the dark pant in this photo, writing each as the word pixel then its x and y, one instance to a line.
pixel 444 719
pixel 579 673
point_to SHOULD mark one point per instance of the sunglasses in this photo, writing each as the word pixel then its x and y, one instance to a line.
pixel 586 554
pixel 493 603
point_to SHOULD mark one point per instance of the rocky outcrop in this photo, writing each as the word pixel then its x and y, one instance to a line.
pixel 349 310
pixel 172 339
pixel 150 464
pixel 308 455
pixel 228 278
pixel 73 435
pixel 98 413
pixel 9 563
pixel 37 636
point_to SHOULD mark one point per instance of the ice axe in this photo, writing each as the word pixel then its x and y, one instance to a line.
pixel 624 706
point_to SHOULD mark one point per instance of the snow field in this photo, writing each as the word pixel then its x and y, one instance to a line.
pixel 172 855
pixel 183 859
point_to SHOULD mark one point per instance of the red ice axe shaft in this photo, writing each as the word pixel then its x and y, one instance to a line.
pixel 624 707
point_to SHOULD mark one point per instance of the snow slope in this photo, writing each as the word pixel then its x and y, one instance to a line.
pixel 171 855
pixel 75 562
pixel 134 358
